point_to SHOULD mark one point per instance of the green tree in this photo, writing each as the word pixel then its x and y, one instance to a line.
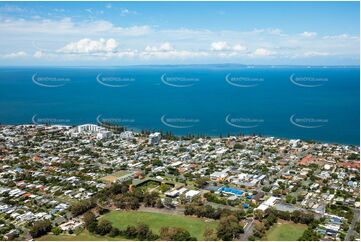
pixel 104 227
pixel 56 230
pixel 40 228
pixel 229 228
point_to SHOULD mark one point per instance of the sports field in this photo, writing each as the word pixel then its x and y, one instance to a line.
pixel 285 232
pixel 195 226
pixel 113 177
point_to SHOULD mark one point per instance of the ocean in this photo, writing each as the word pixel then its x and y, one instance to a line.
pixel 309 103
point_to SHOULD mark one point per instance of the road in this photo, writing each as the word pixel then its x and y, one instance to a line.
pixel 356 218
pixel 248 231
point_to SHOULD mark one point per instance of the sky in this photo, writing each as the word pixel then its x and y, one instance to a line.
pixel 146 33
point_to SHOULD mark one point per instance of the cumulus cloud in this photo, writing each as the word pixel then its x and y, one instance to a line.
pixel 64 39
pixel 341 37
pixel 39 54
pixel 19 54
pixel 220 46
pixel 309 34
pixel 88 46
pixel 66 26
pixel 315 53
pixel 261 52
pixel 239 48
pixel 164 47
pixel 125 12
pixel 226 50
pixel 167 51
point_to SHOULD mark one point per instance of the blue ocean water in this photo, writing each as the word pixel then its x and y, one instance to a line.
pixel 312 103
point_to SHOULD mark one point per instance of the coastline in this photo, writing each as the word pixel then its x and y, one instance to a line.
pixel 198 135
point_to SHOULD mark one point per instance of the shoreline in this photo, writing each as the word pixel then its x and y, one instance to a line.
pixel 198 134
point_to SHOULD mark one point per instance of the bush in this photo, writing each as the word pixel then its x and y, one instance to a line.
pixel 104 227
pixel 82 206
pixel 114 232
pixel 56 230
pixel 40 228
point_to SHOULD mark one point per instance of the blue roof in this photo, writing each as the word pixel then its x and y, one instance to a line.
pixel 230 190
pixel 249 197
pixel 245 205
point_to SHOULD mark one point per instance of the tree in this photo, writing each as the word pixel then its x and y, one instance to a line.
pixel 309 235
pixel 127 201
pixel 159 203
pixel 82 206
pixel 114 232
pixel 40 228
pixel 56 230
pixel 131 232
pixel 209 234
pixel 89 218
pixel 167 202
pixel 259 230
pixel 270 220
pixel 229 228
pixel 258 214
pixel 104 227
pixel 177 234
pixel 117 188
pixel 144 233
pixel 150 199
pixel 201 182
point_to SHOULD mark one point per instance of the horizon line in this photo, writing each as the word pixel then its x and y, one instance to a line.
pixel 192 64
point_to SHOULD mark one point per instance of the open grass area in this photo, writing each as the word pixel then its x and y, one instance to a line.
pixel 195 226
pixel 285 232
pixel 83 236
pixel 113 177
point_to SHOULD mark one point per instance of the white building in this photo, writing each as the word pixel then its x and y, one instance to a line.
pixel 191 194
pixel 270 202
pixel 219 175
pixel 91 128
pixel 104 134
pixel 70 225
pixel 154 138
pixel 126 135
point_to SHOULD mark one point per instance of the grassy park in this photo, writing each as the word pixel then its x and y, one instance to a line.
pixel 195 226
pixel 113 177
pixel 285 232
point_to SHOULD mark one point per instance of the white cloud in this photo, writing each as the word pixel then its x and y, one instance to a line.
pixel 309 34
pixel 88 46
pixel 226 50
pixel 38 54
pixel 167 51
pixel 164 47
pixel 274 31
pixel 239 48
pixel 67 26
pixel 125 12
pixel 262 52
pixel 220 46
pixel 12 9
pixel 63 39
pixel 315 53
pixel 19 54
pixel 341 37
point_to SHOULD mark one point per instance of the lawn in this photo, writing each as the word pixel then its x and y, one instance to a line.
pixel 195 226
pixel 284 232
pixel 83 236
pixel 113 177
